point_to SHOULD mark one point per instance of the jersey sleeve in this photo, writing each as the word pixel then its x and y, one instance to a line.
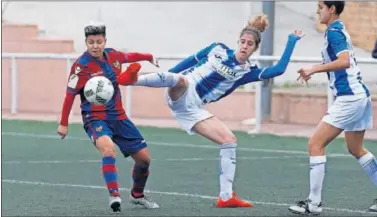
pixel 337 41
pixel 134 57
pixel 76 81
pixel 193 59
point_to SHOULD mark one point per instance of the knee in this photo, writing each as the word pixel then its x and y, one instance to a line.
pixel 315 148
pixel 182 82
pixel 106 147
pixel 357 152
pixel 229 139
pixel 145 162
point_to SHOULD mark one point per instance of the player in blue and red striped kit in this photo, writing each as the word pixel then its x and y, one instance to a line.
pixel 108 124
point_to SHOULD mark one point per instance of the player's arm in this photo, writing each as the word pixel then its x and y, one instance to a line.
pixel 76 82
pixel 133 57
pixel 257 74
pixel 193 59
pixel 338 44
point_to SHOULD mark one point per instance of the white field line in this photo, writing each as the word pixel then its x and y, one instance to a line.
pixel 170 144
pixel 166 193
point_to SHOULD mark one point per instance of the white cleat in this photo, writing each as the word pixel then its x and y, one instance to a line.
pixel 145 201
pixel 373 208
pixel 306 207
pixel 114 203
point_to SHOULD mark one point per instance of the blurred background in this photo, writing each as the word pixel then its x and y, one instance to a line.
pixel 171 31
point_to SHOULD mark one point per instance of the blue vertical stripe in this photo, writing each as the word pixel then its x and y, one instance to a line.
pixel 208 83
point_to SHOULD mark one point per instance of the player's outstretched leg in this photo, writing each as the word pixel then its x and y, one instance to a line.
pixel 140 175
pixel 159 79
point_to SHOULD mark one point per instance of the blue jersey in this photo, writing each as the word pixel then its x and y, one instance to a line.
pixel 216 73
pixel 344 81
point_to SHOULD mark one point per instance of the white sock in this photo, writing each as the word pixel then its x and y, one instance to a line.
pixel 227 165
pixel 159 79
pixel 369 164
pixel 317 175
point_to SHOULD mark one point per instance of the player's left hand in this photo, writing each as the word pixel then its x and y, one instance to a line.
pixel 154 61
pixel 305 74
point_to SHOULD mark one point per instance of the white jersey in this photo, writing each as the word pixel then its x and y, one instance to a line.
pixel 345 81
pixel 217 73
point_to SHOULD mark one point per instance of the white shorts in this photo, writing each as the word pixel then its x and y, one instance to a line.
pixel 350 114
pixel 188 109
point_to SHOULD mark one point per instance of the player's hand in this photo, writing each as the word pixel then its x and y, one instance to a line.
pixel 62 131
pixel 154 61
pixel 305 74
pixel 297 34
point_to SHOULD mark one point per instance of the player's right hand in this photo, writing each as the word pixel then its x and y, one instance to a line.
pixel 154 61
pixel 298 34
pixel 62 131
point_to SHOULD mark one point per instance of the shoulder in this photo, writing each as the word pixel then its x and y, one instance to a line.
pixel 81 64
pixel 219 48
pixel 82 60
pixel 111 51
pixel 219 45
pixel 335 33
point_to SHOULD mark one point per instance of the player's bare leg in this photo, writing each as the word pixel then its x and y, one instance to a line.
pixel 179 89
pixel 106 147
pixel 323 135
pixel 367 160
pixel 216 131
pixel 140 175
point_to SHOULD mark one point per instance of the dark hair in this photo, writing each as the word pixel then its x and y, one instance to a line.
pixel 95 29
pixel 255 27
pixel 339 5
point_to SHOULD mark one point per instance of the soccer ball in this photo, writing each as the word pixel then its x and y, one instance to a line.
pixel 98 90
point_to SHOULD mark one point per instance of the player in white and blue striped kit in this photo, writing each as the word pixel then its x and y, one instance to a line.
pixel 208 76
pixel 351 111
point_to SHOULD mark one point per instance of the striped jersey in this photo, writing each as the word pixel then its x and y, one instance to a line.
pixel 86 67
pixel 344 81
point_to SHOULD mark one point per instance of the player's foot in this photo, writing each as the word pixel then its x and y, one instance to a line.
pixel 233 202
pixel 373 208
pixel 306 207
pixel 144 201
pixel 114 203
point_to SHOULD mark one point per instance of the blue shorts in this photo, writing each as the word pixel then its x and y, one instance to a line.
pixel 123 133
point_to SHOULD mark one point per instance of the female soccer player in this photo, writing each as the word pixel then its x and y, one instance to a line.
pixel 108 124
pixel 211 74
pixel 351 111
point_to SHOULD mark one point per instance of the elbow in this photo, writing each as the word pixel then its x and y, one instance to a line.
pixel 280 70
pixel 346 63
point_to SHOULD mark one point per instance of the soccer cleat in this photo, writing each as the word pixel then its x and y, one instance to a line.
pixel 114 203
pixel 145 201
pixel 306 207
pixel 233 202
pixel 373 208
